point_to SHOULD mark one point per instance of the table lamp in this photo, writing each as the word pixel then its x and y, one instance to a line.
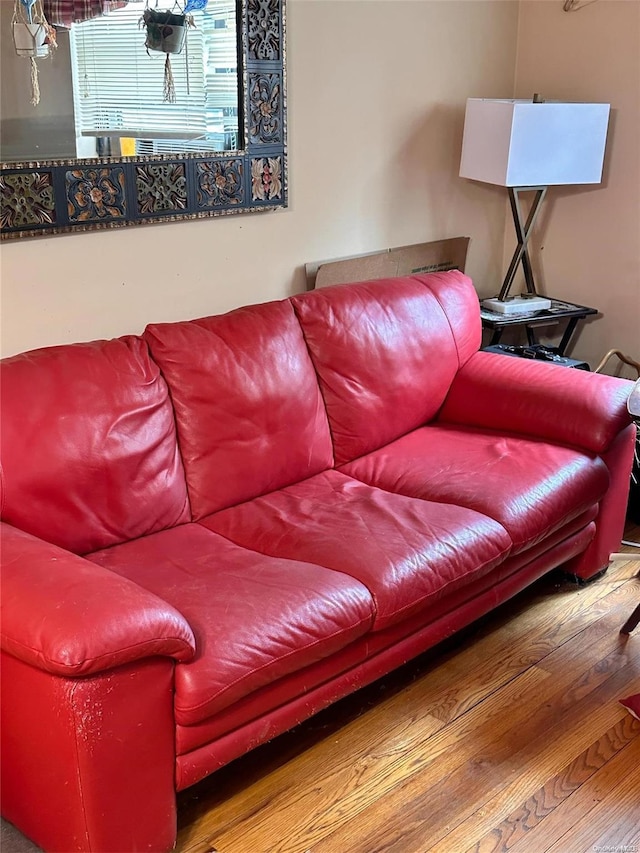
pixel 529 146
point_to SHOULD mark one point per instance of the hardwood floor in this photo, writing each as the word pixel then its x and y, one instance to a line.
pixel 508 737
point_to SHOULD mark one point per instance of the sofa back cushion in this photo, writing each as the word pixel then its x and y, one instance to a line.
pixel 458 299
pixel 386 353
pixel 89 451
pixel 248 408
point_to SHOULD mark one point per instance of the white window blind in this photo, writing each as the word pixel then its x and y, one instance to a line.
pixel 118 84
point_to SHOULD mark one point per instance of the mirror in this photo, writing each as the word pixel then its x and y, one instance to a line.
pixel 130 130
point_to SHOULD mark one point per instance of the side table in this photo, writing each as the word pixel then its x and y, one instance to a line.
pixel 559 311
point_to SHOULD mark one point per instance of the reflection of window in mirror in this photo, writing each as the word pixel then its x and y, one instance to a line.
pixel 118 85
pixel 102 90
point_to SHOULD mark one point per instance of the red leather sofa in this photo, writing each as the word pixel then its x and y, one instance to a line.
pixel 215 529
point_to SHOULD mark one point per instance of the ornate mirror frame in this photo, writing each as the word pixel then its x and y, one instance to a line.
pixel 60 196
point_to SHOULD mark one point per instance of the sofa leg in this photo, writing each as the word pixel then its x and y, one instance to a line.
pixel 88 764
pixel 582 582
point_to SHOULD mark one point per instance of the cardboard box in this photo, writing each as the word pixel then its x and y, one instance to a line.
pixel 405 260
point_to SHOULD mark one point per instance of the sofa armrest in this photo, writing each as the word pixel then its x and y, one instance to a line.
pixel 538 399
pixel 68 616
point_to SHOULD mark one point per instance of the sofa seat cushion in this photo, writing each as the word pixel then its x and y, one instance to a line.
pixel 407 552
pixel 255 618
pixel 530 487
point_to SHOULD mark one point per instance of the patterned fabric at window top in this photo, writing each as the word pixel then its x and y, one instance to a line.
pixel 64 13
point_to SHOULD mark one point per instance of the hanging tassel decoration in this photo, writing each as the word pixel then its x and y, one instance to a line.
pixel 169 83
pixel 33 38
pixel 35 86
pixel 166 33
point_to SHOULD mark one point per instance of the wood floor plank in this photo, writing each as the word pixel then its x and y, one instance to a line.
pixel 417 813
pixel 492 812
pixel 557 789
pixel 538 835
pixel 459 749
pixel 612 823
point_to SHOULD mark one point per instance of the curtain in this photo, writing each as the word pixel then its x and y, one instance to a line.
pixel 64 13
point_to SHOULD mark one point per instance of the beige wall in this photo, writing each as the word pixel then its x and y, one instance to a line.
pixel 587 247
pixel 376 105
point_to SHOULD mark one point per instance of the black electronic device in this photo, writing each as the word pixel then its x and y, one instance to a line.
pixel 538 352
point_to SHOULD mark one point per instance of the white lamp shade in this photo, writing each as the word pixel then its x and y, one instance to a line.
pixel 516 143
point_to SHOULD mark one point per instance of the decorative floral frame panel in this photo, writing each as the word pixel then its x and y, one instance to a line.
pixel 61 196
